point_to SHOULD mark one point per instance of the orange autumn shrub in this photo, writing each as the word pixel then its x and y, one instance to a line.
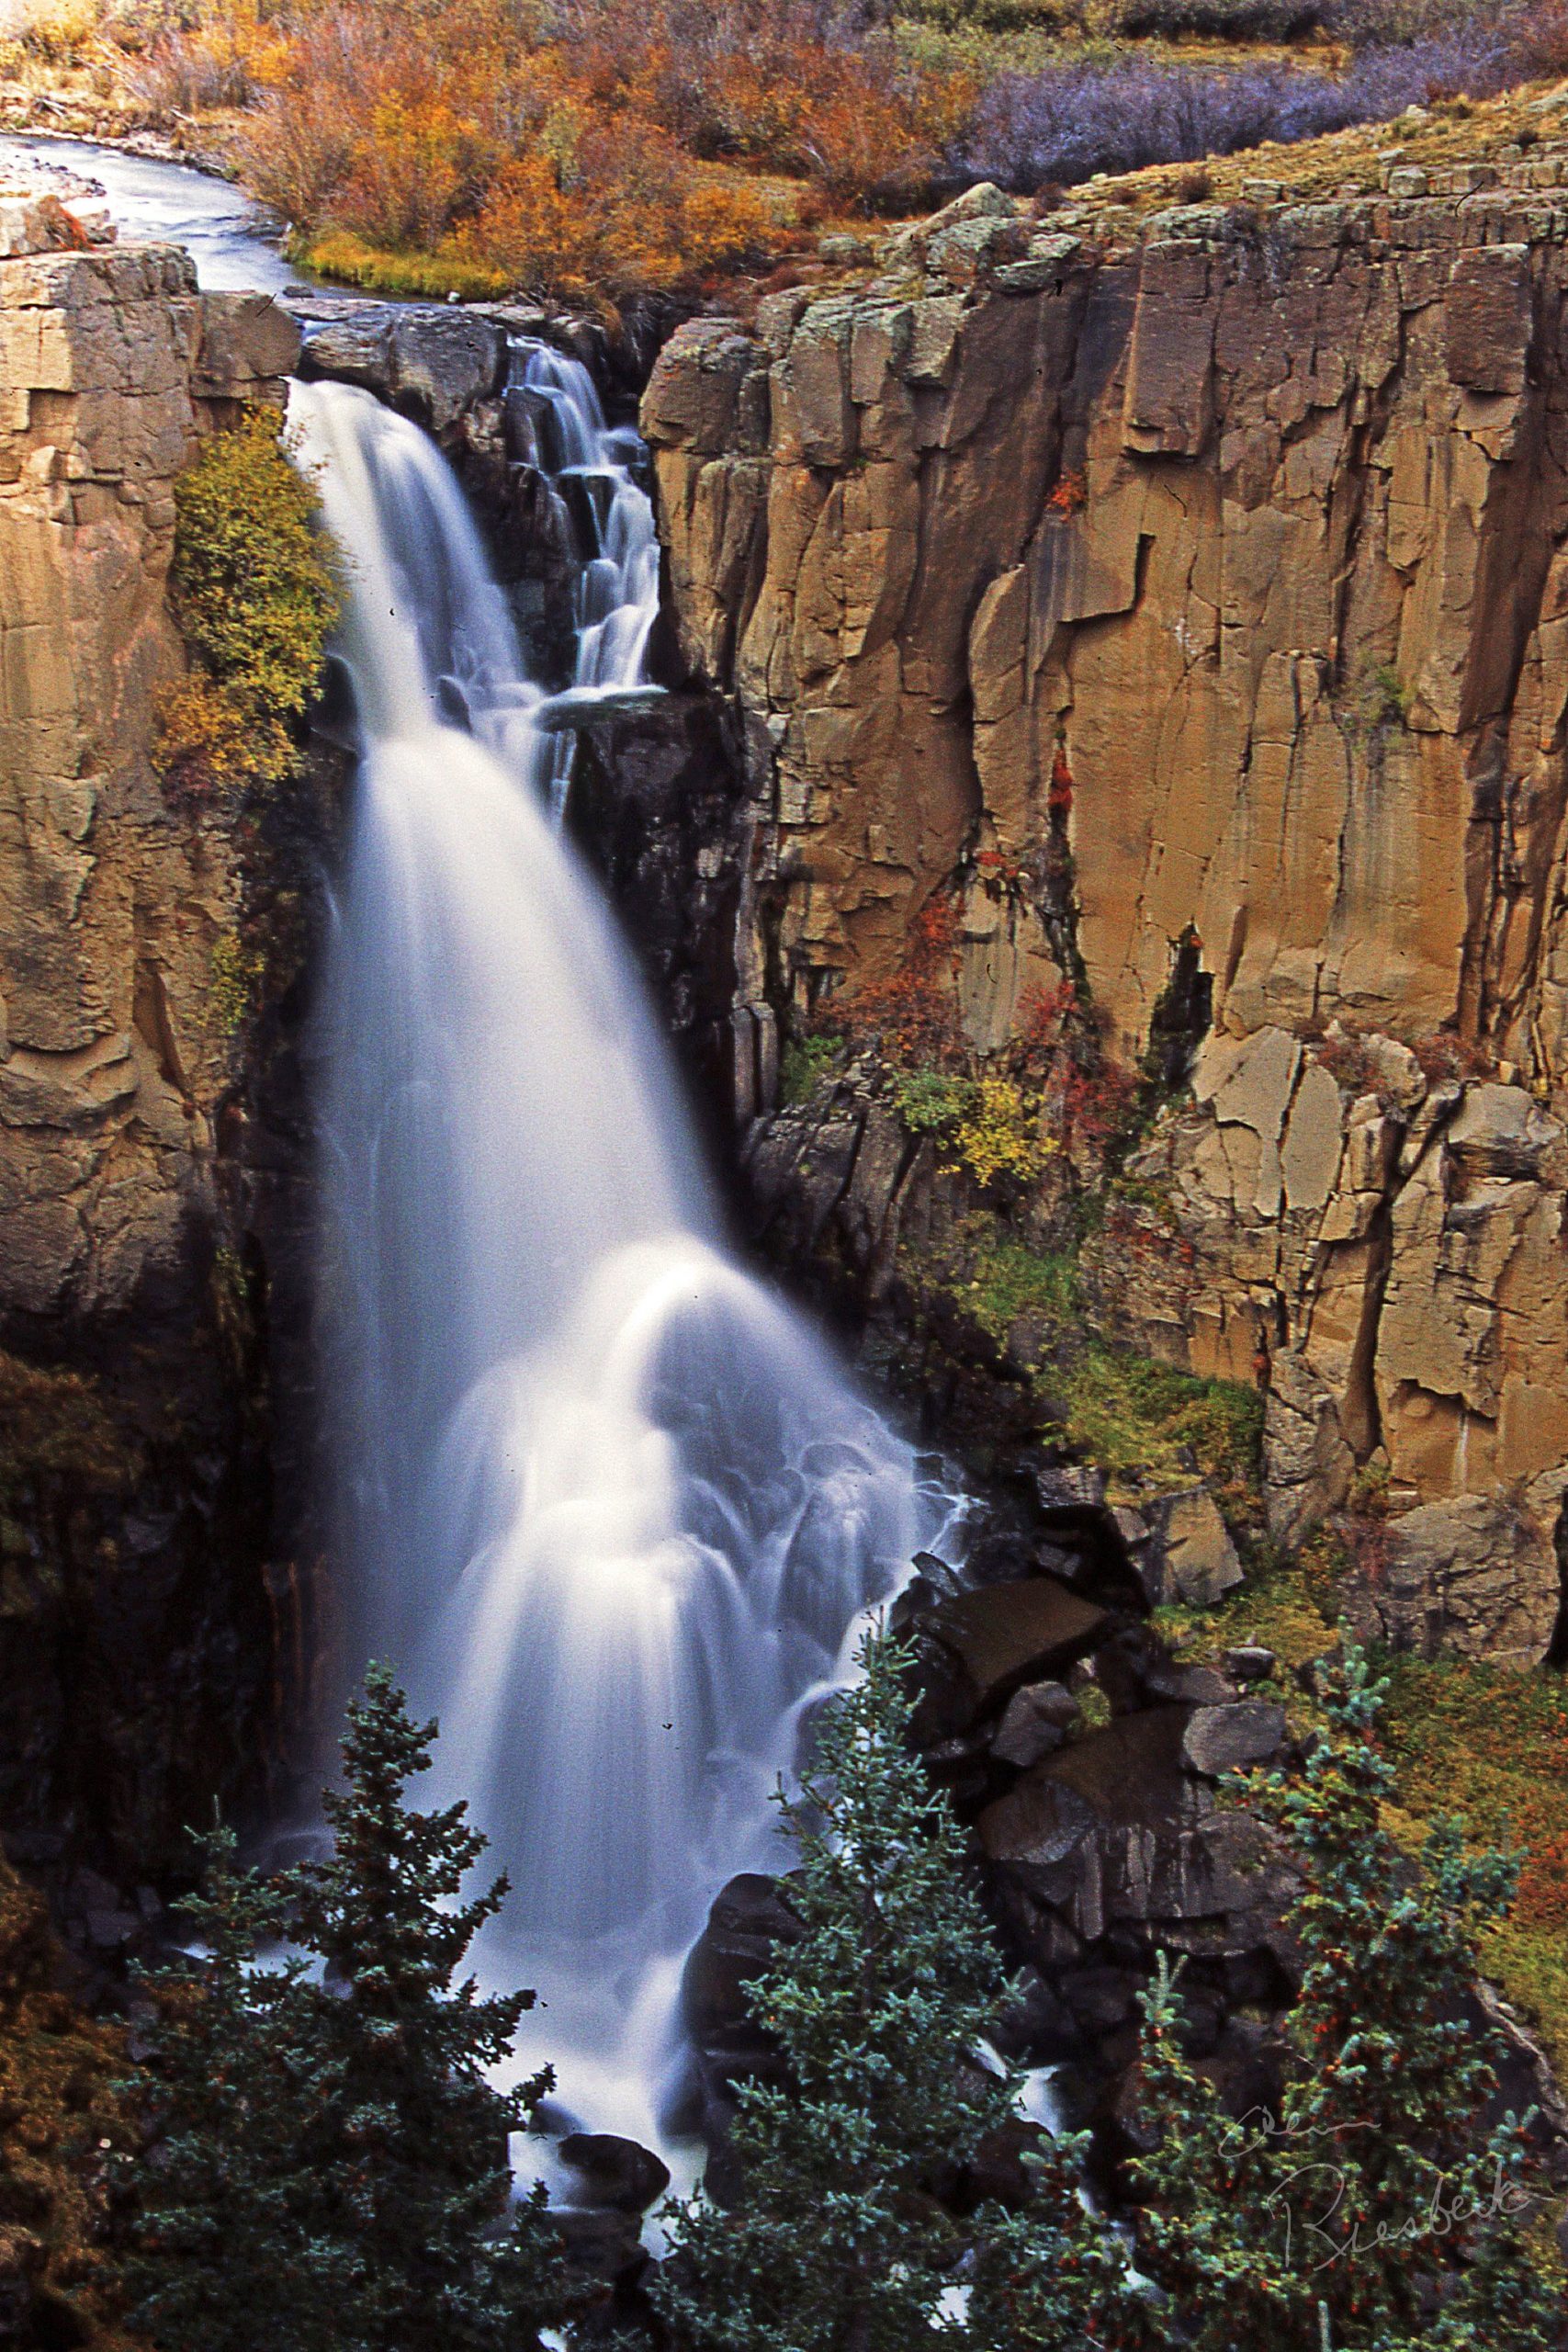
pixel 789 86
pixel 589 208
pixel 581 147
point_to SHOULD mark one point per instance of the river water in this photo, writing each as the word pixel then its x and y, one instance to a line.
pixel 153 202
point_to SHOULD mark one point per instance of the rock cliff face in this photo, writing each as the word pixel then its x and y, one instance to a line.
pixel 139 1630
pixel 1198 592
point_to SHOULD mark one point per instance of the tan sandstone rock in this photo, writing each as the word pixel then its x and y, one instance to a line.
pixel 1133 592
pixel 111 901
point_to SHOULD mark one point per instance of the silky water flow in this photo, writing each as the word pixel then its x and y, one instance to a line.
pixel 610 1508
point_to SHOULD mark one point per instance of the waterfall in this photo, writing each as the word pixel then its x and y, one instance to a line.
pixel 607 1505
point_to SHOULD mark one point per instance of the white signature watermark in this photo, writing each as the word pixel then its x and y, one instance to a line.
pixel 1310 2199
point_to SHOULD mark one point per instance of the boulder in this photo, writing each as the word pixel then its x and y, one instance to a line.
pixel 249 342
pixel 1136 1671
pixel 1188 1555
pixel 1006 1635
pixel 1249 1662
pixel 1037 1721
pixel 1030 1832
pixel 444 361
pixel 352 350
pixel 1229 1739
pixel 748 1918
pixel 1115 1833
pixel 615 2173
pixel 1478 1574
pixel 35 223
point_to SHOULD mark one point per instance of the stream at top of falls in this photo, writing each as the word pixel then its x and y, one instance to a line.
pixel 609 1507
pixel 217 224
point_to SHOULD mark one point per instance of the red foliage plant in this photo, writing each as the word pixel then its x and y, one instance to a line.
pixel 1542 1899
pixel 912 1016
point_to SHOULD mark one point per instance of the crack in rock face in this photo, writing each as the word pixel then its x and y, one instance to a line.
pixel 1265 560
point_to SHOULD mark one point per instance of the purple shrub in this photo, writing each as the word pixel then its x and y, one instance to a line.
pixel 1068 122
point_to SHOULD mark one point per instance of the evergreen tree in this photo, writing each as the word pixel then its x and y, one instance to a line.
pixel 1376 2209
pixel 333 2166
pixel 836 2241
pixel 227 2235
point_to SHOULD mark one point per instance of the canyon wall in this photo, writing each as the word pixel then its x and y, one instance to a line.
pixel 141 1189
pixel 1197 588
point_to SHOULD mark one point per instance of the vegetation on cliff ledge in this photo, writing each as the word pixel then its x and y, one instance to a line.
pixel 255 594
pixel 605 149
pixel 1460 1734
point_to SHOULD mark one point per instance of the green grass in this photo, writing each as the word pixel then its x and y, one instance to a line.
pixel 1147 1423
pixel 804 1063
pixel 1013 1284
pixel 1282 1606
pixel 350 260
pixel 1002 1285
pixel 1492 1744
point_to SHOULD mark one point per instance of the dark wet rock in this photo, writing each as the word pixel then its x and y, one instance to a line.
pixel 1006 1635
pixel 1101 1998
pixel 1244 2062
pixel 1035 1722
pixel 601 2243
pixel 1069 1491
pixel 1127 1772
pixel 747 1918
pixel 1137 1670
pixel 1034 1829
pixel 932 1582
pixel 656 804
pixel 1249 1663
pixel 1036 2027
pixel 1112 1832
pixel 1000 2171
pixel 1227 1738
pixel 1008 1556
pixel 615 2173
pixel 1202 2019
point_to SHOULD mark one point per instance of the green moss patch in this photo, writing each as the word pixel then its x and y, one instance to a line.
pixel 805 1063
pixel 255 593
pixel 1150 1424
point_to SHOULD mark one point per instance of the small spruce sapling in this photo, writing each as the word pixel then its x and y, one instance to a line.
pixel 333 2168
pixel 836 2240
pixel 1378 2207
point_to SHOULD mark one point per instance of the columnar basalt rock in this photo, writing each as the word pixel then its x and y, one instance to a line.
pixel 111 903
pixel 1200 582
pixel 139 1622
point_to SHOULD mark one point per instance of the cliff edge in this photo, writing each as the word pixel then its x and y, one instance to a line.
pixel 1187 596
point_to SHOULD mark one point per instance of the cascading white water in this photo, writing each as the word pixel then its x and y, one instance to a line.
pixel 615 598
pixel 612 1509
